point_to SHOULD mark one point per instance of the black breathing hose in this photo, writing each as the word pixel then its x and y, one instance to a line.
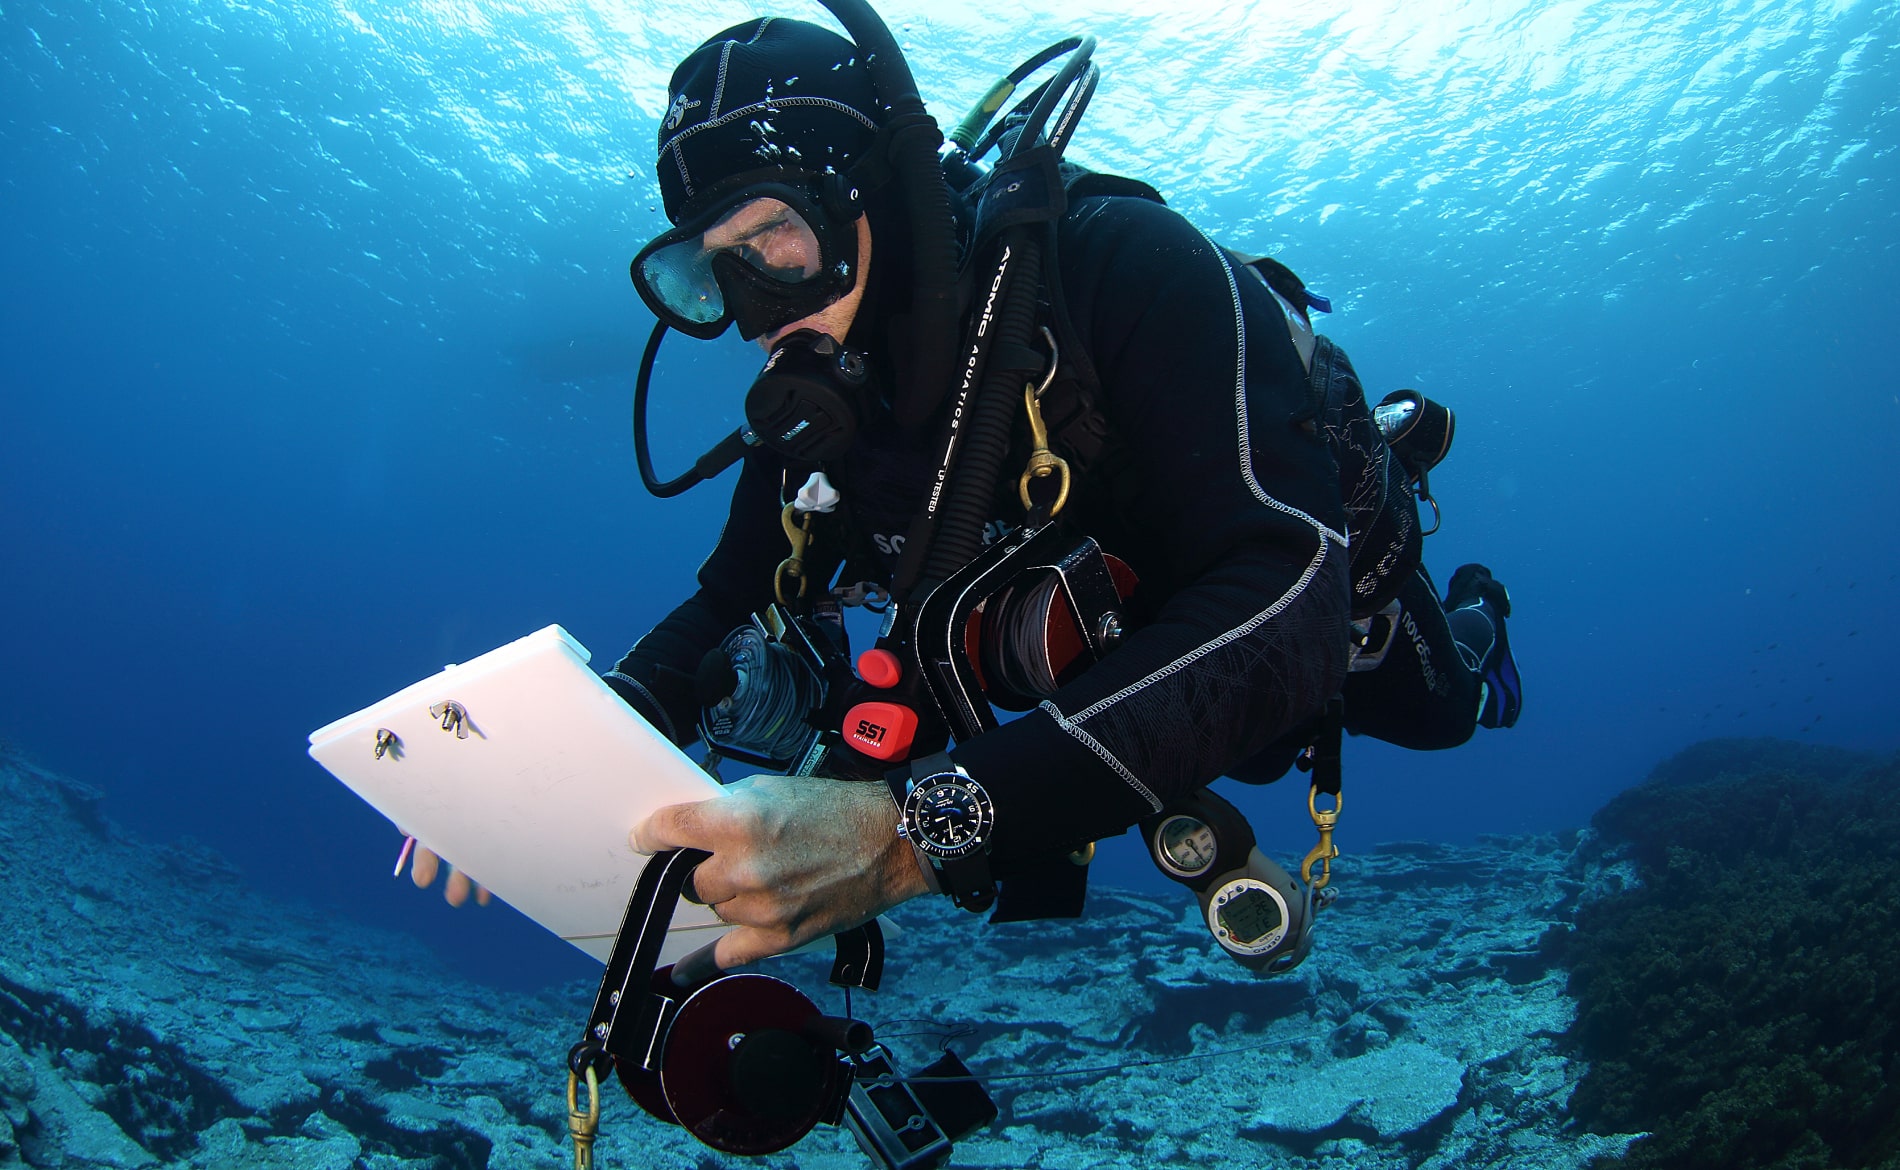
pixel 1072 113
pixel 934 315
pixel 1021 73
pixel 1047 96
pixel 935 333
pixel 914 142
pixel 972 489
pixel 1043 96
pixel 730 450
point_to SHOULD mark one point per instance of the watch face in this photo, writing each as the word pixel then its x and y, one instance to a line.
pixel 948 816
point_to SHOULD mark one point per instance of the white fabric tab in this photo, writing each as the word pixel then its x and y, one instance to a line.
pixel 817 495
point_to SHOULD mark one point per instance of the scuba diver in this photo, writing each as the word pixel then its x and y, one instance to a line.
pixel 1221 453
pixel 1089 466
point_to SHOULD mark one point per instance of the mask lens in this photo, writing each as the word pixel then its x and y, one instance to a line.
pixel 767 234
pixel 771 236
pixel 680 277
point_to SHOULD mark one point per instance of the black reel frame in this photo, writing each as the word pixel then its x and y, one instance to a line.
pixel 747 1063
pixel 939 628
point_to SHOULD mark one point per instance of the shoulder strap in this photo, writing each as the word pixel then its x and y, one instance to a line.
pixel 1071 407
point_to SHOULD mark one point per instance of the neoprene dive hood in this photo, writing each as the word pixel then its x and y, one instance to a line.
pixel 763 197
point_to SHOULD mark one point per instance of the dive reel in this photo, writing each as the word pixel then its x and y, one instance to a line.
pixel 771 689
pixel 1255 910
pixel 747 1063
pixel 1035 609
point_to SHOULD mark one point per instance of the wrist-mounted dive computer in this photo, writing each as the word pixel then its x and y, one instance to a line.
pixel 947 817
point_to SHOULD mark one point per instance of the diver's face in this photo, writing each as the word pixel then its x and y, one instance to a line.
pixel 834 320
pixel 769 235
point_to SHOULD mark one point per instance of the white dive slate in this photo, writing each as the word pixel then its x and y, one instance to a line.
pixel 531 789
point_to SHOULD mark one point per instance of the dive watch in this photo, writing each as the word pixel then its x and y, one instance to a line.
pixel 947 817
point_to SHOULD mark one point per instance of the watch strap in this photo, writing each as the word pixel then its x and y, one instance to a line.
pixel 932 765
pixel 899 778
pixel 968 881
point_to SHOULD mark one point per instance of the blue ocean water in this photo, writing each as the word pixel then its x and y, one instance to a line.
pixel 319 347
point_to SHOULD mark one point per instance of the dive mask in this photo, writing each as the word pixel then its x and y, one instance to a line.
pixel 765 256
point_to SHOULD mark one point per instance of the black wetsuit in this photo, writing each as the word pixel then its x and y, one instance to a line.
pixel 1236 479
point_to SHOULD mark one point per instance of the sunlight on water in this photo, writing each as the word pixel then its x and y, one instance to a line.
pixel 1562 145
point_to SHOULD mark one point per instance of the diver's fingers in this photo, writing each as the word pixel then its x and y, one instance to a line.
pixel 677 826
pixel 716 880
pixel 422 869
pixel 456 892
pixel 748 944
pixel 482 896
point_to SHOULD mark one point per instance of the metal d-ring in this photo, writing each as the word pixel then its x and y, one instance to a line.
pixel 388 743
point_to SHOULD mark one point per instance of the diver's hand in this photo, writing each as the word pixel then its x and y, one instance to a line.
pixel 794 859
pixel 455 891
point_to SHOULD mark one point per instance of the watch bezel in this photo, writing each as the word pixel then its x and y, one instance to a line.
pixel 913 819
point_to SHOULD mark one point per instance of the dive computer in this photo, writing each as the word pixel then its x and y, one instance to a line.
pixel 947 817
pixel 1254 909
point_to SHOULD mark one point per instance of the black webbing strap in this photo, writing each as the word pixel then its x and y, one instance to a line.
pixel 1323 756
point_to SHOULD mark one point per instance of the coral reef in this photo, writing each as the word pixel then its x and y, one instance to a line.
pixel 1737 978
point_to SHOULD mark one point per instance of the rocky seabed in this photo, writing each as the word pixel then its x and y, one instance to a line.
pixel 154 1012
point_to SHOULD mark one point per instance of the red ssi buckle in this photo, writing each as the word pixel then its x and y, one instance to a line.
pixel 883 731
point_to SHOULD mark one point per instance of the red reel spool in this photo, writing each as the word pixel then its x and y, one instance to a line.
pixel 738 1069
pixel 1017 672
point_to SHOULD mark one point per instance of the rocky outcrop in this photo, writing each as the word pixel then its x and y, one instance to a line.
pixel 1740 987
